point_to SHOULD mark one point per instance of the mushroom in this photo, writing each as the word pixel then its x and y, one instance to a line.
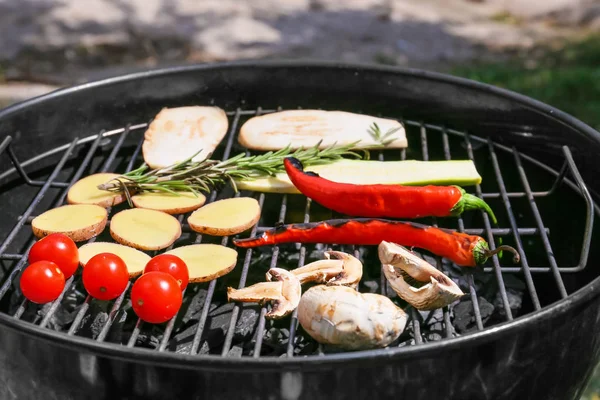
pixel 284 293
pixel 345 270
pixel 400 265
pixel 343 317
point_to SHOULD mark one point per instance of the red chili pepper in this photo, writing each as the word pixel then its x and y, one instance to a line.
pixel 464 250
pixel 383 201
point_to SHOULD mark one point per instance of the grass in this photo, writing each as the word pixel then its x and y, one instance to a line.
pixel 567 78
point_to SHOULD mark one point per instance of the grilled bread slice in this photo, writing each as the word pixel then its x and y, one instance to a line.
pixel 305 128
pixel 176 134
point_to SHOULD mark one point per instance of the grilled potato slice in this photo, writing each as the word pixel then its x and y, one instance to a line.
pixel 134 259
pixel 145 229
pixel 225 217
pixel 178 133
pixel 180 203
pixel 80 222
pixel 305 128
pixel 85 191
pixel 206 262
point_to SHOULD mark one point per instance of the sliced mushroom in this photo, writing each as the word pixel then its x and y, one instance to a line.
pixel 343 317
pixel 438 290
pixel 284 293
pixel 345 270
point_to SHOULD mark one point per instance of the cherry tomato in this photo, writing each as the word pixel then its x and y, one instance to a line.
pixel 42 282
pixel 58 248
pixel 156 297
pixel 172 265
pixel 105 276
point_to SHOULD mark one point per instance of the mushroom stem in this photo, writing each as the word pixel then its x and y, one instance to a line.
pixel 284 293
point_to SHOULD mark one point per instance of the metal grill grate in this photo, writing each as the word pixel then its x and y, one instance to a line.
pixel 291 341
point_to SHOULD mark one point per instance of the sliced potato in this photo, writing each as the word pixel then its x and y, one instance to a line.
pixel 145 229
pixel 181 203
pixel 206 262
pixel 134 259
pixel 225 217
pixel 85 191
pixel 78 221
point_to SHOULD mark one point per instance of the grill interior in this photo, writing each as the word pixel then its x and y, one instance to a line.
pixel 528 197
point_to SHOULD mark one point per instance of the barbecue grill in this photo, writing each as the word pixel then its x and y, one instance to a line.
pixel 527 330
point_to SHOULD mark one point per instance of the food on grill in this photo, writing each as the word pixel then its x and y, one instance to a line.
pixel 371 172
pixel 415 280
pixel 105 276
pixel 206 175
pixel 58 248
pixel 283 291
pixel 225 217
pixel 344 269
pixel 42 282
pixel 350 320
pixel 306 128
pixel 80 222
pixel 145 229
pixel 464 250
pixel 172 265
pixel 156 297
pixel 205 261
pixel 85 191
pixel 171 203
pixel 387 201
pixel 178 133
pixel 135 260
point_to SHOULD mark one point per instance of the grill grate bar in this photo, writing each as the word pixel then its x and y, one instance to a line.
pixel 243 276
pixel 538 219
pixel 513 223
pixel 6 285
pixel 438 260
pixel 263 310
pixel 491 242
pixel 4 145
pixel 84 307
pixel 294 316
pixel 469 274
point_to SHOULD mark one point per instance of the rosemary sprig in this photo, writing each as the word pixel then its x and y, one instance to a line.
pixel 207 174
pixel 383 138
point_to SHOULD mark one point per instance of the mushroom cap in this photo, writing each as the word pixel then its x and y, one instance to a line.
pixel 341 316
pixel 430 296
pixel 352 269
pixel 291 292
pixel 320 271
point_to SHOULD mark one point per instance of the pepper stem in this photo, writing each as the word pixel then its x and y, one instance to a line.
pixel 489 253
pixel 471 202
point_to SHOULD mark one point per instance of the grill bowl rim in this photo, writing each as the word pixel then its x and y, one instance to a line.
pixel 556 310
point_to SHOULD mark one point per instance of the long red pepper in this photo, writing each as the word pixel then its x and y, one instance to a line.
pixel 383 201
pixel 462 249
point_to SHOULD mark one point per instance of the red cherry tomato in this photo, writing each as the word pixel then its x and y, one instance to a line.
pixel 58 248
pixel 156 297
pixel 172 265
pixel 42 282
pixel 105 276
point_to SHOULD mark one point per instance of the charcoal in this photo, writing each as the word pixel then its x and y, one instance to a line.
pixel 194 309
pixel 217 324
pixel 372 286
pixel 433 326
pixel 515 301
pixel 235 351
pixel 464 316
